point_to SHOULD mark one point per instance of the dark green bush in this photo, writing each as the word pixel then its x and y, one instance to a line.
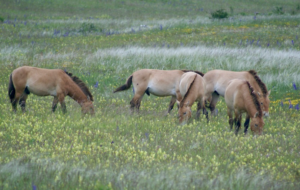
pixel 87 27
pixel 278 10
pixel 219 14
pixel 1 19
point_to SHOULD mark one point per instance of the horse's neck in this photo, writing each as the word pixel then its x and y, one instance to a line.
pixel 75 92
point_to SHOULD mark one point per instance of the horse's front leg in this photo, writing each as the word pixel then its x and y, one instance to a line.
pixel 237 119
pixel 172 102
pixel 54 103
pixel 61 99
pixel 230 121
pixel 246 124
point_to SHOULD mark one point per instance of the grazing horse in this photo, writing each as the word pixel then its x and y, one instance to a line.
pixel 218 80
pixel 240 97
pixel 192 88
pixel 152 81
pixel 44 82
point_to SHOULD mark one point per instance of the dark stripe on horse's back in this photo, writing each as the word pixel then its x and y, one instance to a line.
pixel 259 82
pixel 11 89
pixel 255 99
pixel 81 85
pixel 198 72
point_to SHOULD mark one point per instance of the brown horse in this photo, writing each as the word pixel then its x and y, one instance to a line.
pixel 44 82
pixel 218 80
pixel 157 82
pixel 192 88
pixel 240 97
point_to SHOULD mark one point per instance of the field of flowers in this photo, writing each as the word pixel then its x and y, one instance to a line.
pixel 116 150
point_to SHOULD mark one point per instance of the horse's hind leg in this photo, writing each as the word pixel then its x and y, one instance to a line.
pixel 22 101
pixel 213 103
pixel 246 124
pixel 172 102
pixel 54 104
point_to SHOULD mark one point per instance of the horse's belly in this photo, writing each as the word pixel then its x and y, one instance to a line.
pixel 162 92
pixel 42 91
pixel 220 88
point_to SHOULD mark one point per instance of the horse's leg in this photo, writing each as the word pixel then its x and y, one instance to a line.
pixel 246 124
pixel 22 101
pixel 229 113
pixel 172 102
pixel 238 118
pixel 201 105
pixel 61 99
pixel 213 103
pixel 54 104
pixel 136 102
pixel 15 101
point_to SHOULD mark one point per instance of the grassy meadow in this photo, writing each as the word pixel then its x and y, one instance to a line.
pixel 105 41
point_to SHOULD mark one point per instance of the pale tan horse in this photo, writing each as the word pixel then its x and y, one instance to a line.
pixel 192 89
pixel 241 98
pixel 152 81
pixel 218 80
pixel 44 82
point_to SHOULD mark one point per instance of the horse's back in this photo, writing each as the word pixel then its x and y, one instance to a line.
pixel 191 78
pixel 217 80
pixel 158 82
pixel 39 81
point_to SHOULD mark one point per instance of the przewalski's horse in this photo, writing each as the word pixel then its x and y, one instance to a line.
pixel 218 80
pixel 44 82
pixel 240 97
pixel 152 81
pixel 192 88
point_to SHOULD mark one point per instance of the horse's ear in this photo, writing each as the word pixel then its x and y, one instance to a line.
pixel 258 93
pixel 187 104
pixel 256 114
pixel 269 92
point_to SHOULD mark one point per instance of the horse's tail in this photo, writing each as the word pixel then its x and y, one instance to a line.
pixel 11 89
pixel 125 86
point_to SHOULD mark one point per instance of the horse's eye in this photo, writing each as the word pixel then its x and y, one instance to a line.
pixel 255 125
pixel 184 113
pixel 261 103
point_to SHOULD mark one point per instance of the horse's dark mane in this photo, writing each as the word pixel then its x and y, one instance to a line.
pixel 187 93
pixel 255 99
pixel 198 72
pixel 259 82
pixel 81 85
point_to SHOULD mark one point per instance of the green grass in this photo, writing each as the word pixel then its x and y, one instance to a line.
pixel 117 150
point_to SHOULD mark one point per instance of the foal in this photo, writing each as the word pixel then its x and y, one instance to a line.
pixel 192 88
pixel 218 80
pixel 240 98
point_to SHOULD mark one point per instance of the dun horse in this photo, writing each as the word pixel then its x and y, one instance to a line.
pixel 218 80
pixel 240 98
pixel 152 81
pixel 192 88
pixel 44 82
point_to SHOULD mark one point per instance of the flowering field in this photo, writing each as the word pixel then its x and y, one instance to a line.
pixel 117 150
